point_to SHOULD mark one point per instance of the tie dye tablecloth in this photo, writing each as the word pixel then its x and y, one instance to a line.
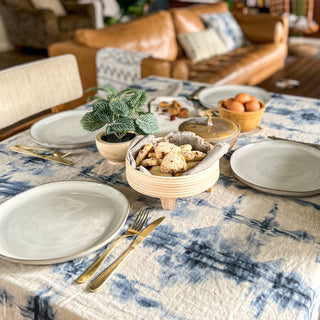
pixel 235 253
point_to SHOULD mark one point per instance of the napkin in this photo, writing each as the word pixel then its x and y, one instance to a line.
pixel 214 153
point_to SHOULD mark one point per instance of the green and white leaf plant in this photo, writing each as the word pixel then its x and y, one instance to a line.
pixel 121 113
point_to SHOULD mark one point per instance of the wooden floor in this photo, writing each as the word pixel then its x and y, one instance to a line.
pixel 306 70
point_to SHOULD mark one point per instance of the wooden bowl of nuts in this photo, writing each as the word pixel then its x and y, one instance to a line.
pixel 167 171
pixel 245 110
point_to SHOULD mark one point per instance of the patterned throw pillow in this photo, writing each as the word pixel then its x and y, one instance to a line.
pixel 227 28
pixel 54 5
pixel 201 45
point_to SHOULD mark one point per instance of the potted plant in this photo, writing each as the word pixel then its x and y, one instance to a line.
pixel 129 9
pixel 123 118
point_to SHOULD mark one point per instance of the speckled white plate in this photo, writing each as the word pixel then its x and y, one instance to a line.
pixel 209 97
pixel 60 221
pixel 165 124
pixel 278 167
pixel 63 130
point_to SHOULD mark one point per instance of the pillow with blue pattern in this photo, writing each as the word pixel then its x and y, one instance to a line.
pixel 227 28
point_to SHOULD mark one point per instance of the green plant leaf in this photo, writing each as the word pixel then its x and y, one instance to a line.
pixel 103 111
pixel 138 130
pixel 126 91
pixel 100 105
pixel 147 123
pixel 91 121
pixel 138 99
pixel 120 107
pixel 93 89
pixel 110 90
pixel 121 125
pixel 107 116
pixel 91 98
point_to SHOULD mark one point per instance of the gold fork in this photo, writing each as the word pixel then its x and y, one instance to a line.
pixel 133 230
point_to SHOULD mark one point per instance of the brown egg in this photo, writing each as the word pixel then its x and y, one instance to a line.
pixel 236 106
pixel 242 97
pixel 227 103
pixel 254 98
pixel 252 105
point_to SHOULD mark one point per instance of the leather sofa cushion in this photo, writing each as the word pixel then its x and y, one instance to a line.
pixel 187 19
pixel 243 65
pixel 153 34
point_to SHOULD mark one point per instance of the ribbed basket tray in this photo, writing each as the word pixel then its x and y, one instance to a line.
pixel 168 189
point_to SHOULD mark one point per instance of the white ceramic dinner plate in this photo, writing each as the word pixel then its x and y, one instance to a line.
pixel 278 167
pixel 60 221
pixel 62 130
pixel 209 97
pixel 166 125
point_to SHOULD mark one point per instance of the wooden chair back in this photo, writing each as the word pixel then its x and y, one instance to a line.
pixel 29 91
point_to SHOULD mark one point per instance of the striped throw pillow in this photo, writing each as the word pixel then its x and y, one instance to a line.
pixel 201 45
pixel 227 28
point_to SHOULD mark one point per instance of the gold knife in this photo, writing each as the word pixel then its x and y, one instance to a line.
pixel 317 146
pixel 56 156
pixel 104 276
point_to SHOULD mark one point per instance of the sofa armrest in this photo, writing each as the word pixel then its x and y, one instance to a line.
pixel 263 28
pixel 155 67
pixel 180 69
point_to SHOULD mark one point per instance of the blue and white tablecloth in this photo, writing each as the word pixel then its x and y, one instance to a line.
pixel 235 253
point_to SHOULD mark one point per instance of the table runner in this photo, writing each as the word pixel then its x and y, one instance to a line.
pixel 235 253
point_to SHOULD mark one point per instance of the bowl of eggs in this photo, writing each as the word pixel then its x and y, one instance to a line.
pixel 245 110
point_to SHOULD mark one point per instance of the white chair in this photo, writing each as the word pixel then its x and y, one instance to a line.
pixel 29 89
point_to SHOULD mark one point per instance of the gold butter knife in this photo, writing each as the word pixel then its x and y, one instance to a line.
pixel 56 156
pixel 317 146
pixel 104 276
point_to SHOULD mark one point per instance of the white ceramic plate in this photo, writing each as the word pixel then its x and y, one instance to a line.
pixel 60 221
pixel 210 96
pixel 278 167
pixel 63 130
pixel 165 124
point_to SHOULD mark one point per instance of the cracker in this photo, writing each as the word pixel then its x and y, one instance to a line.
pixel 173 162
pixel 188 155
pixel 198 155
pixel 163 148
pixel 142 154
pixel 150 162
pixel 186 147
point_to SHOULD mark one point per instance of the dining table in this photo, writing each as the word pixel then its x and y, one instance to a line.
pixel 236 252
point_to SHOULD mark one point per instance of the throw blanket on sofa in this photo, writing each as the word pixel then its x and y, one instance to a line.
pixel 117 67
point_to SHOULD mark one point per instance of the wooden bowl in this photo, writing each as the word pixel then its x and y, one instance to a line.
pixel 168 189
pixel 115 153
pixel 247 121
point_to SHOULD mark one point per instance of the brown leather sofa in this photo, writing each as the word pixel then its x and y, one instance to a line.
pixel 37 28
pixel 156 34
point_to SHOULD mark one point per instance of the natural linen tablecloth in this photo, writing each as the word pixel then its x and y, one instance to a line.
pixel 235 253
